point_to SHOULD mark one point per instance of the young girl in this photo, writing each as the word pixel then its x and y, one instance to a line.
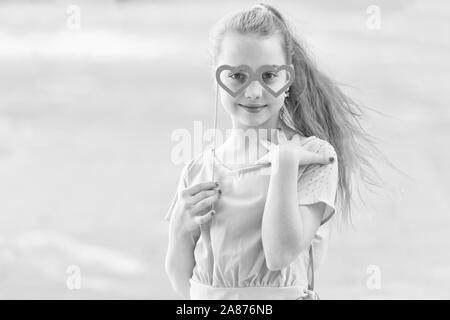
pixel 249 234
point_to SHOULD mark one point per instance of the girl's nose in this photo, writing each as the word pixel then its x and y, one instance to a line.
pixel 254 90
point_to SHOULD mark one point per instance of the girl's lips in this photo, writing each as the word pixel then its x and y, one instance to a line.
pixel 252 109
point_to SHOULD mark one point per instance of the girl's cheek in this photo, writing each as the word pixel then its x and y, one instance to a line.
pixel 229 104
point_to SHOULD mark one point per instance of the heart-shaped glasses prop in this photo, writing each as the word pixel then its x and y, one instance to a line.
pixel 275 79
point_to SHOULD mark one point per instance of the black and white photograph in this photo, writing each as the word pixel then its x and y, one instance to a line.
pixel 224 150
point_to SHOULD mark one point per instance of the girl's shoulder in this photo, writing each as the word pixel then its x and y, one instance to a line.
pixel 315 144
pixel 311 143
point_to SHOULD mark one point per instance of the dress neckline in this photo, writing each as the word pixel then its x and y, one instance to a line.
pixel 213 157
pixel 221 164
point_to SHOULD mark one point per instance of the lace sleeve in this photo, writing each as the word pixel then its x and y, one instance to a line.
pixel 318 183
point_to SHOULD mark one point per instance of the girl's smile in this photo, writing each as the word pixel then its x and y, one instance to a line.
pixel 253 108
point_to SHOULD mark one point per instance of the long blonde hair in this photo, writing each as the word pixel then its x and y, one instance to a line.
pixel 316 106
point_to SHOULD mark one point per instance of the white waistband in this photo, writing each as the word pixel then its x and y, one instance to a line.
pixel 201 291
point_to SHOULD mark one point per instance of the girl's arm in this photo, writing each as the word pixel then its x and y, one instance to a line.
pixel 180 260
pixel 287 228
pixel 190 208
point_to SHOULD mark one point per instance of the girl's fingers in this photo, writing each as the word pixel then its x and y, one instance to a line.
pixel 205 203
pixel 312 158
pixel 201 186
pixel 204 194
pixel 204 218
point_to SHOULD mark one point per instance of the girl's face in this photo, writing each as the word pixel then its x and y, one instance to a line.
pixel 254 107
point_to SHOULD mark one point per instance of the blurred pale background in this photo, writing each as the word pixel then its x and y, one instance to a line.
pixel 86 117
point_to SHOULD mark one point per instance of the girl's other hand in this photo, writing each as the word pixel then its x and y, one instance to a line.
pixel 291 150
pixel 194 206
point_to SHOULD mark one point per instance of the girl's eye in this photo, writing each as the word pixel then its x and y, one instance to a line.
pixel 269 76
pixel 237 76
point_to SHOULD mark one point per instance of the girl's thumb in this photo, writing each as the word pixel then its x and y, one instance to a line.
pixel 204 218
